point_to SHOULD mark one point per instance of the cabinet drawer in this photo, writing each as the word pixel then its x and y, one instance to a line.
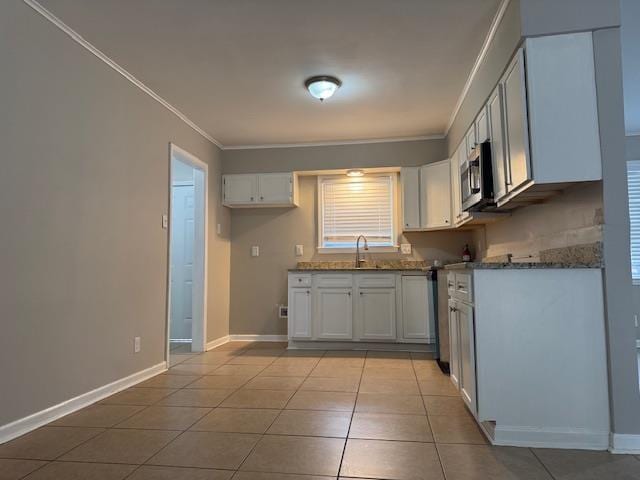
pixel 463 285
pixel 299 281
pixel 334 280
pixel 376 280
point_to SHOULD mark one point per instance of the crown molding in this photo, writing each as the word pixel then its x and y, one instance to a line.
pixel 476 66
pixel 75 36
pixel 335 143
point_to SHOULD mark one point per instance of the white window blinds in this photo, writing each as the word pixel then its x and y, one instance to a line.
pixel 633 179
pixel 350 207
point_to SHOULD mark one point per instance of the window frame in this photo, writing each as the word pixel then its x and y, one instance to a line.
pixel 394 247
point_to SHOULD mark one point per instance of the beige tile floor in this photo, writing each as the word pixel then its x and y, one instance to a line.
pixel 259 412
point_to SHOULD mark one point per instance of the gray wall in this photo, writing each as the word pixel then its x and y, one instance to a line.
pixel 546 17
pixel 84 183
pixel 259 284
pixel 387 154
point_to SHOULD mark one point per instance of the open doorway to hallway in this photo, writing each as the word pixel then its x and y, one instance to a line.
pixel 186 323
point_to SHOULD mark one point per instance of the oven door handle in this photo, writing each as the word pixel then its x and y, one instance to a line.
pixel 471 187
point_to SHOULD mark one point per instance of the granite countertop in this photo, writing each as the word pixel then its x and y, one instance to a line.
pixel 520 265
pixel 378 266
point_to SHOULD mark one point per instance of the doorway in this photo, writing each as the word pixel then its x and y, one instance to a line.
pixel 186 309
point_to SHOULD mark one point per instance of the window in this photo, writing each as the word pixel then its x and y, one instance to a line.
pixel 633 179
pixel 353 206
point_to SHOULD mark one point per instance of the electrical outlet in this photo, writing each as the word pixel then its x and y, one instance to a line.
pixel 299 250
pixel 219 229
pixel 136 344
pixel 255 251
pixel 405 248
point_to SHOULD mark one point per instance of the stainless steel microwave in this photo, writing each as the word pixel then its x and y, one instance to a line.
pixel 476 179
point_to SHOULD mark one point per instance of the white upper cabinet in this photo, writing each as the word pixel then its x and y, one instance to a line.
pixel 496 134
pixel 518 168
pixel 471 141
pixel 482 126
pixel 260 190
pixel 275 188
pixel 410 179
pixel 550 119
pixel 240 189
pixel 435 195
pixel 426 197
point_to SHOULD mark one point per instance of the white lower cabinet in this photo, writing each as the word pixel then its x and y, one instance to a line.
pixel 417 315
pixel 467 353
pixel 300 313
pixel 333 317
pixel 454 343
pixel 360 307
pixel 376 309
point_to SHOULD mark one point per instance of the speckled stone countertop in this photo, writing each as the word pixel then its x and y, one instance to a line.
pixel 518 265
pixel 378 266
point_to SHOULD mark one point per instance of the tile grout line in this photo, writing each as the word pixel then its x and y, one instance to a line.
pixel 353 412
pixel 424 405
pixel 542 463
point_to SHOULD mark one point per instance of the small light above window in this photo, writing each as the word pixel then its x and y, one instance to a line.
pixel 355 173
pixel 322 86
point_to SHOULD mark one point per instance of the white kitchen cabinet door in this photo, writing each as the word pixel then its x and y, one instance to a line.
pixel 410 178
pixel 333 317
pixel 482 126
pixel 496 133
pixel 454 344
pixel 417 323
pixel 275 188
pixel 435 195
pixel 516 124
pixel 471 140
pixel 300 313
pixel 376 310
pixel 467 354
pixel 240 189
pixel 456 196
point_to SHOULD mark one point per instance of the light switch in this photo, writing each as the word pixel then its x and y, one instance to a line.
pixel 299 250
pixel 405 248
pixel 165 221
pixel 219 229
pixel 255 251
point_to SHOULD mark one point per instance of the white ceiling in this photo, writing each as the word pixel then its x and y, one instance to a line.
pixel 236 67
pixel 631 64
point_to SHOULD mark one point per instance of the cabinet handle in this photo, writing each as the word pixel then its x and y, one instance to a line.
pixel 299 279
pixel 252 199
pixel 308 292
pixel 261 198
pixel 349 293
pixel 361 293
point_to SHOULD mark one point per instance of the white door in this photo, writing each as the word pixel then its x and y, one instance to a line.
pixel 517 131
pixel 182 250
pixel 275 188
pixel 454 344
pixel 496 133
pixel 240 189
pixel 410 178
pixel 467 355
pixel 416 321
pixel 334 314
pixel 376 310
pixel 300 313
pixel 435 195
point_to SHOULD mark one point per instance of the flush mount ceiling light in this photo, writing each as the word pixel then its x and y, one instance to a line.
pixel 355 173
pixel 322 86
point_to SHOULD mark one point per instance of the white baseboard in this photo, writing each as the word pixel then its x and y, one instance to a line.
pixel 258 338
pixel 625 443
pixel 576 438
pixel 38 419
pixel 217 342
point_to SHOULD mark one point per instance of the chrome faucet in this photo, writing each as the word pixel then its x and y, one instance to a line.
pixel 366 247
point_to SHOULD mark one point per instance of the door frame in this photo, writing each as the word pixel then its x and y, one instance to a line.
pixel 201 250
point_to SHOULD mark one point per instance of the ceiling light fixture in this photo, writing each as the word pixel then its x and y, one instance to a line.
pixel 322 86
pixel 355 173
